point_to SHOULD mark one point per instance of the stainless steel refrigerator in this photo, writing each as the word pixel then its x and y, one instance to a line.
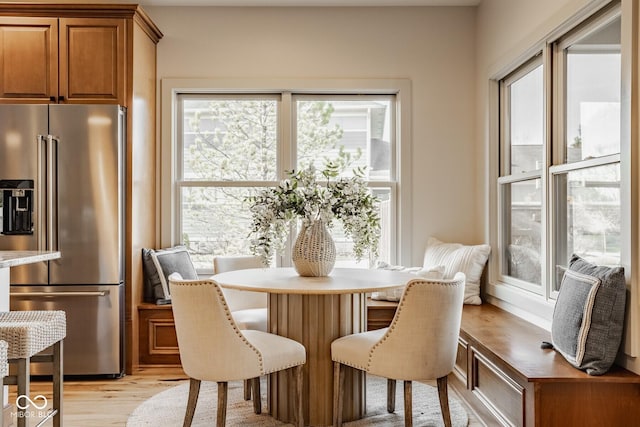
pixel 62 184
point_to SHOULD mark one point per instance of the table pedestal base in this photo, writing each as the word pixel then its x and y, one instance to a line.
pixel 315 321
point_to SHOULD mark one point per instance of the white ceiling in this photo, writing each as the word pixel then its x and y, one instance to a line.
pixel 309 2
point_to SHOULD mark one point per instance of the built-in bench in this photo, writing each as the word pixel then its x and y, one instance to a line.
pixel 502 372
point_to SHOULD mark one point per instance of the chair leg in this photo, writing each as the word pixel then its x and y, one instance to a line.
pixel 391 395
pixel 408 405
pixel 23 387
pixel 222 404
pixel 257 398
pixel 194 390
pixel 299 409
pixel 247 389
pixel 338 392
pixel 444 401
pixel 58 378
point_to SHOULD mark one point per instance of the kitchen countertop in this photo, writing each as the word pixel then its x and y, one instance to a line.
pixel 14 258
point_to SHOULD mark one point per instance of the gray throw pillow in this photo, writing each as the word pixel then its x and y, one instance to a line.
pixel 158 265
pixel 589 315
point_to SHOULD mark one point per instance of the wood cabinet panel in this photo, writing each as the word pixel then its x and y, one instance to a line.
pixel 163 332
pixel 504 397
pixel 563 404
pixel 71 60
pixel 28 59
pixel 92 60
pixel 158 341
pixel 380 313
pixel 461 367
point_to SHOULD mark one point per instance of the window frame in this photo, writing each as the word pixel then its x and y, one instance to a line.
pixel 169 225
pixel 506 291
pixel 507 177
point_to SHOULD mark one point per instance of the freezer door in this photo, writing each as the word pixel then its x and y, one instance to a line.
pixel 20 151
pixel 90 197
pixel 94 341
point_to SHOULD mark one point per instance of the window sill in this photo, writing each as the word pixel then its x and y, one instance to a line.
pixel 531 307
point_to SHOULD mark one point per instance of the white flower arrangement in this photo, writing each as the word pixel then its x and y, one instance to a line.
pixel 301 196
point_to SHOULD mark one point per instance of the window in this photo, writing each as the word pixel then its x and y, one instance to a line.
pixel 228 146
pixel 521 178
pixel 559 171
pixel 363 134
pixel 586 218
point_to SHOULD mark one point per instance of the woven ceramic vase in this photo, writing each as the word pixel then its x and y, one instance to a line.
pixel 314 252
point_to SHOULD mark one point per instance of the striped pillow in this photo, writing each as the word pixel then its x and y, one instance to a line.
pixel 456 257
pixel 588 317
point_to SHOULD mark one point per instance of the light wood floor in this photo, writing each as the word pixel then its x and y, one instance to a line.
pixel 107 402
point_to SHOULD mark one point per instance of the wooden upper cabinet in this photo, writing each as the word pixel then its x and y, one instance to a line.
pixel 92 60
pixel 63 60
pixel 28 59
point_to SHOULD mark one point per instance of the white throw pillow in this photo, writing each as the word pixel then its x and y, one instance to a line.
pixel 457 257
pixel 395 294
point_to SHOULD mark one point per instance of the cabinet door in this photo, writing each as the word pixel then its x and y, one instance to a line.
pixel 28 59
pixel 92 60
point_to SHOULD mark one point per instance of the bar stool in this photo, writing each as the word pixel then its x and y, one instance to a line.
pixel 28 333
pixel 4 371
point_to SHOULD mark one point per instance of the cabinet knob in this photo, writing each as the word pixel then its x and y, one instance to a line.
pixel 52 98
pixel 61 98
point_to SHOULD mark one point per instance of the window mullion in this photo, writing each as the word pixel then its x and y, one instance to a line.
pixel 546 254
pixel 287 151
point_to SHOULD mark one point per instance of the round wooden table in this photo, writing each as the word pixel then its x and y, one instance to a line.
pixel 315 311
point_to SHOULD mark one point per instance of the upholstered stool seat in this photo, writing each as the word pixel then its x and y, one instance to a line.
pixel 27 333
pixel 4 371
pixel 4 361
pixel 30 332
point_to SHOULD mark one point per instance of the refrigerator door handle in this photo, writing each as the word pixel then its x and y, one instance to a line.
pixel 52 193
pixel 41 193
pixel 61 294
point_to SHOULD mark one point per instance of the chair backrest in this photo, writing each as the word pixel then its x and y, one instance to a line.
pixel 240 300
pixel 212 348
pixel 422 340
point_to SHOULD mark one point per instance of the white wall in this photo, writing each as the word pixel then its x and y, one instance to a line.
pixel 433 47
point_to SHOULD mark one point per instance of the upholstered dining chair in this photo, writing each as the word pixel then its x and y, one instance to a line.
pixel 213 348
pixel 249 309
pixel 420 344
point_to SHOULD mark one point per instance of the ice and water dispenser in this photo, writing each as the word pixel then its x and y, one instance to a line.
pixel 16 215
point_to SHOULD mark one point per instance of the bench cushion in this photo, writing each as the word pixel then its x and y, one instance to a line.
pixel 589 315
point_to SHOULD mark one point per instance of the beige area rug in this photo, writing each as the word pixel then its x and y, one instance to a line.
pixel 166 409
